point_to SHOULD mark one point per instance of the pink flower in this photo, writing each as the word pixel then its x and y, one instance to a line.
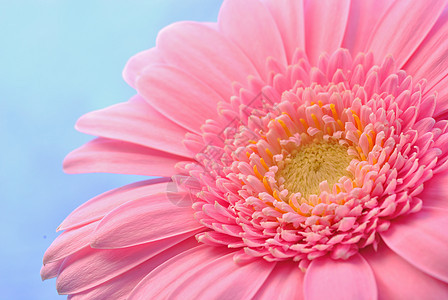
pixel 307 146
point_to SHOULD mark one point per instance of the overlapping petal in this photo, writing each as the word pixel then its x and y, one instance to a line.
pixel 97 207
pixel 284 282
pixel 136 64
pixel 129 122
pixel 289 16
pixel 170 90
pixel 395 277
pixel 257 36
pixel 120 286
pixel 145 220
pixel 206 54
pixel 114 156
pixel 403 27
pixel 100 265
pixel 341 279
pixel 325 37
pixel 363 18
pixel 421 239
pixel 189 275
pixel 430 60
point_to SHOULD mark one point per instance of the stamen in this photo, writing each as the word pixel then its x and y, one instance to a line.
pixel 341 125
pixel 266 185
pixel 304 123
pixel 263 163
pixel 316 122
pixel 370 141
pixel 334 112
pixel 285 128
pixel 357 120
pixel 257 173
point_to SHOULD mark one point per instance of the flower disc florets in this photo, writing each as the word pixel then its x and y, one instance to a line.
pixel 317 160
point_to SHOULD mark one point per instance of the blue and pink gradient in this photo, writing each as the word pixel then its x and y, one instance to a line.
pixel 59 60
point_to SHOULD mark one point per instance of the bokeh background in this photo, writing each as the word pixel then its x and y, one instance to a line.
pixel 60 59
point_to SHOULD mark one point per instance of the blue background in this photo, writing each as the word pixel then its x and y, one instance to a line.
pixel 58 60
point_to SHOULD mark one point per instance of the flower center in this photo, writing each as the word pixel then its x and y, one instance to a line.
pixel 306 168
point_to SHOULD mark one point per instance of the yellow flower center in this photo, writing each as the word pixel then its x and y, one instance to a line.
pixel 307 167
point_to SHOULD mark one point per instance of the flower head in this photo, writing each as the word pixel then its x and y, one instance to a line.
pixel 304 146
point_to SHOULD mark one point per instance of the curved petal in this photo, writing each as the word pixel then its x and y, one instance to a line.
pixel 290 19
pixel 120 286
pixel 403 27
pixel 137 63
pixel 216 277
pixel 69 242
pixel 422 240
pixel 50 270
pixel 206 54
pixel 100 265
pixel 435 192
pixel 441 88
pixel 340 279
pixel 325 25
pixel 227 281
pixel 396 278
pixel 145 220
pixel 163 279
pixel 362 19
pixel 112 156
pixel 131 122
pixel 285 282
pixel 430 60
pixel 178 96
pixel 250 25
pixel 97 207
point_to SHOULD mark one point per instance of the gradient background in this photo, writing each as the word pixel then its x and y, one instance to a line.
pixel 58 60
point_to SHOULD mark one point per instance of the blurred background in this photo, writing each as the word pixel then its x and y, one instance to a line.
pixel 60 59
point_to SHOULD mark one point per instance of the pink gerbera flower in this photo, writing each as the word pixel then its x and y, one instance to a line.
pixel 304 152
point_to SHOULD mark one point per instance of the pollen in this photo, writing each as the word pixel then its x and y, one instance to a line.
pixel 306 168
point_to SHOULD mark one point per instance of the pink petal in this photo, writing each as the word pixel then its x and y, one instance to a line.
pixel 340 279
pixel 441 88
pixel 435 192
pixel 290 20
pixel 163 280
pixel 145 220
pixel 363 17
pixel 325 25
pixel 206 54
pixel 100 265
pixel 397 279
pixel 421 239
pixel 136 64
pixel 96 208
pixel 430 61
pixel 120 286
pixel 69 242
pixel 285 282
pixel 251 26
pixel 403 28
pixel 129 122
pixel 227 281
pixel 50 270
pixel 199 274
pixel 112 156
pixel 179 96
